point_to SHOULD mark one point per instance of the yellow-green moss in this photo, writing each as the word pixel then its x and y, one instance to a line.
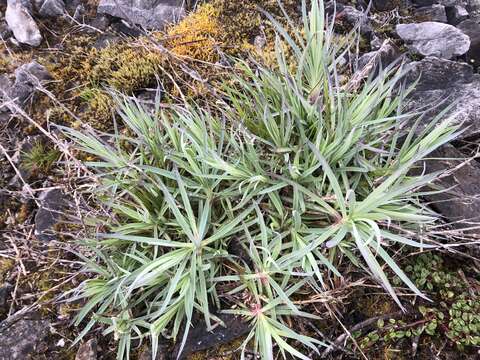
pixel 5 266
pixel 198 36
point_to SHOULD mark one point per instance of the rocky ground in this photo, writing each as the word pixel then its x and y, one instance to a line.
pixel 59 62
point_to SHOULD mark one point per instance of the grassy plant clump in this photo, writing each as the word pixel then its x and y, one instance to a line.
pixel 304 173
pixel 40 157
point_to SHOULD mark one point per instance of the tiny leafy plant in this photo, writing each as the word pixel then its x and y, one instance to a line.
pixel 40 157
pixel 453 318
pixel 304 172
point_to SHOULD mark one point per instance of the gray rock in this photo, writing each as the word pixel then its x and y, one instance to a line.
pixel 376 42
pixel 473 8
pixel 79 12
pixel 442 83
pixel 87 351
pixel 432 2
pixel 150 14
pixel 452 2
pixel 456 14
pixel 5 85
pixel 19 20
pixel 22 339
pixel 356 17
pixel 432 13
pixel 49 214
pixel 100 22
pixel 5 31
pixel 384 56
pixel 125 28
pixel 52 8
pixel 371 63
pixel 472 29
pixel 434 39
pixel 31 73
pixel 424 2
pixel 460 203
pixel 384 5
pixel 5 291
pixel 27 77
pixel 200 339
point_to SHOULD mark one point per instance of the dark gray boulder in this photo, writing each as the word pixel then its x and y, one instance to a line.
pixel 472 29
pixel 5 291
pixel 21 339
pixel 27 78
pixel 200 339
pixel 434 39
pixel 52 8
pixel 370 63
pixel 442 83
pixel 49 214
pixel 5 31
pixel 435 12
pixel 150 14
pixel 456 14
pixel 459 200
pixel 384 5
pixel 356 17
pixel 473 8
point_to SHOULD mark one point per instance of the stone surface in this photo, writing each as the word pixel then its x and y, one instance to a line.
pixel 79 13
pixel 124 28
pixel 199 339
pixel 433 2
pixel 384 5
pixel 87 351
pixel 21 339
pixel 31 73
pixel 49 214
pixel 21 23
pixel 5 31
pixel 51 8
pixel 456 14
pixel 356 17
pixel 372 62
pixel 5 291
pixel 100 22
pixel 472 29
pixel 432 13
pixel 434 39
pixel 423 2
pixel 460 203
pixel 444 82
pixel 5 85
pixel 473 8
pixel 27 77
pixel 150 14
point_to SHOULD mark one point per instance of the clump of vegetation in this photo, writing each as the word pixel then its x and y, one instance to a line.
pixel 123 67
pixel 197 36
pixel 40 157
pixel 307 175
pixel 454 315
pixel 243 21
